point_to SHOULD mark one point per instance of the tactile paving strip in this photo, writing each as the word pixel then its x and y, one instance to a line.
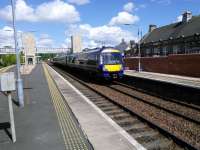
pixel 73 136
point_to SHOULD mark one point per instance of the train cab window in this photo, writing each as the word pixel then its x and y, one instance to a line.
pixel 112 58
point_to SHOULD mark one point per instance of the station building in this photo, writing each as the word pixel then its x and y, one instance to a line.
pixel 182 37
pixel 29 48
pixel 170 49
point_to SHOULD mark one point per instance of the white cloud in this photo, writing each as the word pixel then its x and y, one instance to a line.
pixel 179 18
pixel 45 41
pixel 129 7
pixel 124 18
pixel 164 2
pixel 6 37
pixel 23 12
pixel 79 2
pixel 100 35
pixel 55 10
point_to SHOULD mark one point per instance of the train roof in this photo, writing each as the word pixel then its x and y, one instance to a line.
pixel 100 50
pixel 94 50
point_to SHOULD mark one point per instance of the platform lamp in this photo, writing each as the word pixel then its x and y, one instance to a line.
pixel 139 40
pixel 20 92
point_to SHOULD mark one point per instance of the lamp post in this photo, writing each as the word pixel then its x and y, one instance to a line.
pixel 20 92
pixel 139 48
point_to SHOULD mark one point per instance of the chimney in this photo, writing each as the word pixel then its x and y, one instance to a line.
pixel 152 27
pixel 186 16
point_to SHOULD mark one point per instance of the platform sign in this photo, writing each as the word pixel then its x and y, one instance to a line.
pixel 7 84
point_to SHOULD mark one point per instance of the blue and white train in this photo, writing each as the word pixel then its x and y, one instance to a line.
pixel 103 62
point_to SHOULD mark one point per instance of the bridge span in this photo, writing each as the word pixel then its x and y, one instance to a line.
pixel 39 50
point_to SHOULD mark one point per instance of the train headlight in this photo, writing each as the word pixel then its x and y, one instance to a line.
pixel 104 68
pixel 121 68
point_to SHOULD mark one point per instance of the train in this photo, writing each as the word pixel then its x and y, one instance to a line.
pixel 105 62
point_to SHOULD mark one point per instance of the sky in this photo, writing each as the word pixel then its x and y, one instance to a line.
pixel 97 21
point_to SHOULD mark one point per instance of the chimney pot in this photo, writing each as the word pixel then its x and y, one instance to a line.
pixel 186 16
pixel 152 27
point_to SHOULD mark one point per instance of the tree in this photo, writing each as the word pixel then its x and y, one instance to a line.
pixel 8 59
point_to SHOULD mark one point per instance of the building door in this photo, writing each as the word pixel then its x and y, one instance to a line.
pixel 30 61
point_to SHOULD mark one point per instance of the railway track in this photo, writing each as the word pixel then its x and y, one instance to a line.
pixel 131 86
pixel 145 118
pixel 167 91
pixel 183 110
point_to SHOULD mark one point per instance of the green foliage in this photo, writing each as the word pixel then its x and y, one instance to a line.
pixel 6 60
pixel 46 56
pixel 22 58
pixel 10 59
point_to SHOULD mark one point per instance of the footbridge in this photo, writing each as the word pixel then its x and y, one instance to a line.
pixel 39 50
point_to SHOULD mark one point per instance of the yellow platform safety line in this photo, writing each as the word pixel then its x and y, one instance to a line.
pixel 71 135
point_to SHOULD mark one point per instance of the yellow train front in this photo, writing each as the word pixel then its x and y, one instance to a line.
pixel 111 64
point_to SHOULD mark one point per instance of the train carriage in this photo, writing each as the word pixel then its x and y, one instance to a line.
pixel 103 62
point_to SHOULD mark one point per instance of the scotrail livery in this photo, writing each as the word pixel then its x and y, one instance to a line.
pixel 105 62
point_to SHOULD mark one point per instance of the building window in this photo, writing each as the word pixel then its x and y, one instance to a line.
pixel 156 51
pixel 181 49
pixel 175 49
pixel 164 51
pixel 170 49
pixel 148 52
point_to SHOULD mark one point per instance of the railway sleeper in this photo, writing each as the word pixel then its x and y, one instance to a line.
pixel 120 116
pixel 137 125
pixel 114 112
pixel 103 105
pixel 160 144
pixel 109 108
pixel 96 99
pixel 127 122
pixel 102 102
pixel 149 138
pixel 145 133
pixel 92 96
pixel 138 129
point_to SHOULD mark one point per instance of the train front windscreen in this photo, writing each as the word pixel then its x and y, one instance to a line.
pixel 112 58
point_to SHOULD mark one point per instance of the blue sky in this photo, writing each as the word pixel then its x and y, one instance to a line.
pixel 53 21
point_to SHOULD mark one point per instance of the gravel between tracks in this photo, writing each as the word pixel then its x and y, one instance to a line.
pixel 180 127
pixel 178 108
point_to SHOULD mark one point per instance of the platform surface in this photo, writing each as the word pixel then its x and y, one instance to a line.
pixel 173 79
pixel 38 125
pixel 102 132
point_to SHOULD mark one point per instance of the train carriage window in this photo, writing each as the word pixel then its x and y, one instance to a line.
pixel 92 59
pixel 73 59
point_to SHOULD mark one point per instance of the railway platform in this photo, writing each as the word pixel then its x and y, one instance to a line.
pixel 39 124
pixel 57 116
pixel 184 81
